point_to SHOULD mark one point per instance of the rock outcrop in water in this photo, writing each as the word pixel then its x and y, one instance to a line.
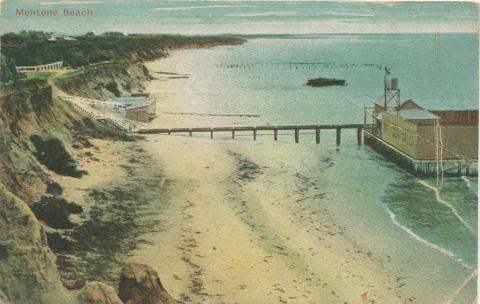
pixel 325 82
pixel 140 284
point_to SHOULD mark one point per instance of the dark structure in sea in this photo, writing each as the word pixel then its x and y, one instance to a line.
pixel 325 82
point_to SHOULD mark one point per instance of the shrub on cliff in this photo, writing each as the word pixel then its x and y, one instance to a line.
pixel 51 153
pixel 113 87
pixel 8 72
pixel 55 211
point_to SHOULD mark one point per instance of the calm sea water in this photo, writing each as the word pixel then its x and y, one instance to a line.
pixel 267 77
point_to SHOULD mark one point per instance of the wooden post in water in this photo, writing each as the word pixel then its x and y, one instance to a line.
pixel 254 133
pixel 339 132
pixel 211 133
pixel 297 135
pixel 317 135
pixel 275 134
pixel 168 131
pixel 359 136
pixel 233 134
pixel 190 132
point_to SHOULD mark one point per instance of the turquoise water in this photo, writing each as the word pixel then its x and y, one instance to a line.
pixel 267 77
pixel 436 71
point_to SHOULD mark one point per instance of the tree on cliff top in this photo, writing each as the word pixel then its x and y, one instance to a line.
pixel 8 73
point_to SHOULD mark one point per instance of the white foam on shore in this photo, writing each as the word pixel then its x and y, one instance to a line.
pixel 468 279
pixel 440 200
pixel 422 240
pixel 469 184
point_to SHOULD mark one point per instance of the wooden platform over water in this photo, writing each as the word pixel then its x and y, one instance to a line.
pixel 255 129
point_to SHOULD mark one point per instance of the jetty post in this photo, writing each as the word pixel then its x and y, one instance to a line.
pixel 359 136
pixel 211 133
pixel 254 133
pixel 317 135
pixel 233 133
pixel 297 135
pixel 275 134
pixel 339 132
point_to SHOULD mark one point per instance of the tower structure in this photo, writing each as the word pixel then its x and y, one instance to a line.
pixel 391 90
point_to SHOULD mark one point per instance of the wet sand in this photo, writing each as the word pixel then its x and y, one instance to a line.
pixel 247 223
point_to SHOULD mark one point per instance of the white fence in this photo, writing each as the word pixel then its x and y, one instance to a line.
pixel 44 67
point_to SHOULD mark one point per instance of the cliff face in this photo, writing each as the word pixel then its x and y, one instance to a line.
pixel 23 110
pixel 105 80
pixel 32 121
pixel 28 273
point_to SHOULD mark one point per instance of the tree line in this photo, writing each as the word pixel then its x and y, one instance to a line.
pixel 30 48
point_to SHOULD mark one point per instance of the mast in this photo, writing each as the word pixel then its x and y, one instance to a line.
pixel 387 72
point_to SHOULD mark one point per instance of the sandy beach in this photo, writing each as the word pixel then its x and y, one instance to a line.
pixel 248 223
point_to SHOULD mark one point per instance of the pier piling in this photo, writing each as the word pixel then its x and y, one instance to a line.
pixel 275 134
pixel 254 133
pixel 339 132
pixel 317 135
pixel 211 133
pixel 359 136
pixel 233 134
pixel 297 135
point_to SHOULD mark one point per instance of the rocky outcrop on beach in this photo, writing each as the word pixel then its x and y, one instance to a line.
pixel 98 293
pixel 140 284
pixel 28 273
pixel 325 82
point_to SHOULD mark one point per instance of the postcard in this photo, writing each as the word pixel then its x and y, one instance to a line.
pixel 248 152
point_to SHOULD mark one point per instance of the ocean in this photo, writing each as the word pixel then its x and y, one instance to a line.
pixel 267 76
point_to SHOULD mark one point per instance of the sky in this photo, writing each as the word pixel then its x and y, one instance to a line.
pixel 242 16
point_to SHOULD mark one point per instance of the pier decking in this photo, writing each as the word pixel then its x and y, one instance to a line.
pixel 255 129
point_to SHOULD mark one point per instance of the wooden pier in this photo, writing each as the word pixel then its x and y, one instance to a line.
pixel 274 129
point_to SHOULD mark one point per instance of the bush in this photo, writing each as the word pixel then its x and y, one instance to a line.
pixel 8 72
pixel 113 87
pixel 55 211
pixel 54 188
pixel 51 153
pixel 58 243
pixel 87 121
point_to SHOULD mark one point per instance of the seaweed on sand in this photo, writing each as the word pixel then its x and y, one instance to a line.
pixel 118 218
